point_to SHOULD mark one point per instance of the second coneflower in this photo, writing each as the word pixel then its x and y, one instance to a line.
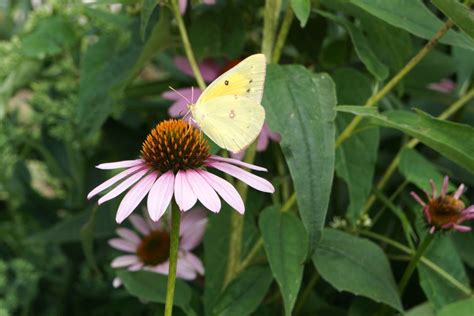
pixel 174 162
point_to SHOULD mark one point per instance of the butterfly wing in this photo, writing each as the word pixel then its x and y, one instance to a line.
pixel 231 121
pixel 244 79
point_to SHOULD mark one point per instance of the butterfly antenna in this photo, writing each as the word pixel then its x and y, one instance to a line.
pixel 178 93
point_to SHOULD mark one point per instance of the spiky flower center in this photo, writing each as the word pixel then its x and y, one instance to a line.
pixel 154 248
pixel 445 210
pixel 174 145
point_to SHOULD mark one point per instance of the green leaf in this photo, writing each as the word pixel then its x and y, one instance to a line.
pixel 147 9
pixel 216 248
pixel 419 170
pixel 245 293
pixel 437 290
pixel 461 15
pixel 51 36
pixel 301 107
pixel 414 17
pixel 87 240
pixel 366 268
pixel 151 286
pixel 362 47
pixel 453 140
pixel 301 8
pixel 285 242
pixel 356 157
pixel 461 308
pixel 425 309
pixel 463 243
pixel 106 71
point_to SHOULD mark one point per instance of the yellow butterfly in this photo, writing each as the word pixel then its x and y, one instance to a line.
pixel 229 110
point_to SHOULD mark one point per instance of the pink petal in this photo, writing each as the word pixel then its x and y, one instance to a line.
pixel 184 270
pixel 189 218
pixel 182 98
pixel 209 2
pixel 432 229
pixel 113 180
pixel 193 261
pixel 426 211
pixel 182 6
pixel 417 198
pixel 120 164
pixel 161 268
pixel 160 195
pixel 123 245
pixel 128 235
pixel 459 192
pixel 116 282
pixel 209 68
pixel 225 190
pixel 444 187
pixel 124 261
pixel 462 229
pixel 119 189
pixel 433 188
pixel 183 193
pixel 135 196
pixel 139 223
pixel 236 162
pixel 240 155
pixel 252 180
pixel 445 86
pixel 204 192
pixel 135 267
pixel 262 141
pixel 192 232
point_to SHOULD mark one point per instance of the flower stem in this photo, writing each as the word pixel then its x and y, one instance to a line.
pixel 453 108
pixel 346 133
pixel 187 45
pixel 414 262
pixel 282 34
pixel 173 261
pixel 270 22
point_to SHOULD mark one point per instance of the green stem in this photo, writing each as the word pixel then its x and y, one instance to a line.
pixel 306 292
pixel 453 108
pixel 289 203
pixel 173 261
pixel 187 45
pixel 270 21
pixel 414 262
pixel 282 34
pixel 346 133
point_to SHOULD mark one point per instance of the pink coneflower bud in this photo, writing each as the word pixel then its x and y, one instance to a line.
pixel 174 162
pixel 445 211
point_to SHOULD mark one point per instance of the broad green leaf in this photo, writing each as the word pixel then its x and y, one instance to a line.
pixel 300 106
pixel 461 15
pixel 151 286
pixel 301 8
pixel 87 240
pixel 437 290
pixel 419 170
pixel 245 293
pixel 463 243
pixel 461 308
pixel 414 17
pixel 51 36
pixel 453 140
pixel 464 64
pixel 285 242
pixel 216 249
pixel 147 9
pixel 425 309
pixel 356 157
pixel 362 47
pixel 356 265
pixel 106 70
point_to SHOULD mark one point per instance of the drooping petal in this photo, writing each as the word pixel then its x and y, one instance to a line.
pixel 459 191
pixel 236 162
pixel 116 282
pixel 184 270
pixel 160 195
pixel 432 229
pixel 208 67
pixel 444 187
pixel 239 155
pixel 135 196
pixel 426 211
pixel 225 190
pixel 122 187
pixel 252 180
pixel 139 223
pixel 120 164
pixel 128 235
pixel 113 180
pixel 188 219
pixel 262 142
pixel 417 198
pixel 209 2
pixel 193 226
pixel 135 267
pixel 193 261
pixel 183 193
pixel 124 245
pixel 182 6
pixel 162 268
pixel 204 192
pixel 124 261
pixel 462 228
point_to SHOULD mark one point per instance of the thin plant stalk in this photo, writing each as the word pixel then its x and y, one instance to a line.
pixel 173 258
pixel 282 34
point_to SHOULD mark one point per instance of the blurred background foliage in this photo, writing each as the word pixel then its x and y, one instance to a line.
pixel 81 83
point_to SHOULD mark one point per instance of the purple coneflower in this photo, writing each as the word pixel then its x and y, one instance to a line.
pixel 174 161
pixel 210 70
pixel 149 250
pixel 445 211
pixel 184 3
pixel 444 86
